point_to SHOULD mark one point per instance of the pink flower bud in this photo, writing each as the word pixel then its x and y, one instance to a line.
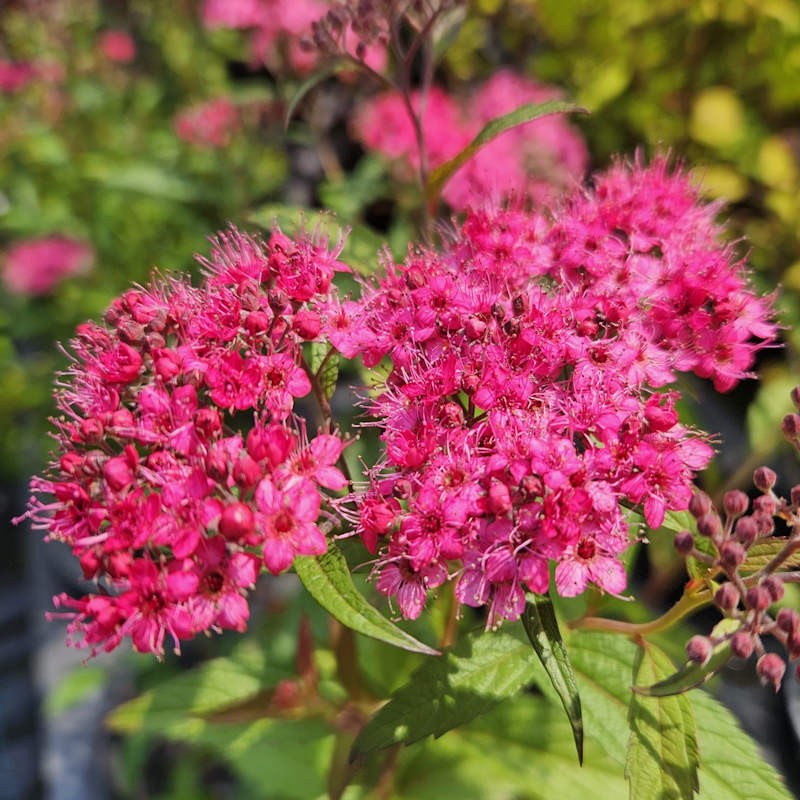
pixel 91 430
pixel 745 531
pixel 788 620
pixel 764 479
pixel 257 322
pixel 765 524
pixel 731 554
pixel 246 472
pixel 770 669
pixel 699 649
pixel 774 585
pixel 684 542
pixel 237 522
pixel 765 504
pixel 742 644
pixel 795 395
pixel 474 328
pixel 727 597
pixel 757 598
pixel 735 503
pixel 117 473
pixel 699 505
pixel 499 498
pixel 791 426
pixel 307 324
pixel 709 525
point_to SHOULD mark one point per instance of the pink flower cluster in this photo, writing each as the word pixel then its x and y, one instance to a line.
pixel 170 508
pixel 278 29
pixel 117 46
pixel 536 160
pixel 37 266
pixel 209 125
pixel 521 417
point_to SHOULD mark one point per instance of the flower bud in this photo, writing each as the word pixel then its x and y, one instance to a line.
pixel 699 505
pixel 246 472
pixel 699 649
pixel 742 644
pixel 735 503
pixel 731 555
pixel 788 620
pixel 237 521
pixel 474 327
pixel 451 415
pixel 746 531
pixel 774 585
pixel 765 504
pixel 709 525
pixel 118 474
pixel 499 498
pixel 757 598
pixel 91 430
pixel 795 395
pixel 795 495
pixel 770 669
pixel 307 324
pixel 257 322
pixel 727 597
pixel 684 542
pixel 764 479
pixel 791 426
pixel 765 525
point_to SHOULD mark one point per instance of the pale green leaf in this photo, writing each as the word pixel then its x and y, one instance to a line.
pixel 541 625
pixel 526 113
pixel 479 672
pixel 327 579
pixel 662 749
pixel 324 363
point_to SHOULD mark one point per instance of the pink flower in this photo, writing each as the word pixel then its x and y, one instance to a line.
pixel 210 125
pixel 117 46
pixel 37 266
pixel 15 75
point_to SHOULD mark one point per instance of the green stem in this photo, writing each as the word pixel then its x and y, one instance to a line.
pixel 685 606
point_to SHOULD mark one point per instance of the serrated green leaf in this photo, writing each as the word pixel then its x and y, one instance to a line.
pixel 662 749
pixel 327 579
pixel 541 625
pixel 479 672
pixel 763 551
pixel 520 749
pixel 731 765
pixel 526 113
pixel 691 674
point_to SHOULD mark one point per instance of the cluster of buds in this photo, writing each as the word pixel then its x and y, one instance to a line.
pixel 366 21
pixel 739 546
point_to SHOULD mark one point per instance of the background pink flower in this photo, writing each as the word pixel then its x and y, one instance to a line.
pixel 36 266
pixel 117 46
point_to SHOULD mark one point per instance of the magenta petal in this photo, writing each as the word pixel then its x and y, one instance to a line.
pixel 331 478
pixel 278 555
pixel 309 540
pixel 298 384
pixel 326 449
pixel 571 578
pixel 608 574
pixel 233 611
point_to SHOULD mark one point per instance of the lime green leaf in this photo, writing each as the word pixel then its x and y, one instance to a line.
pixel 763 551
pixel 662 749
pixel 541 625
pixel 691 674
pixel 771 404
pixel 731 765
pixel 142 177
pixel 74 688
pixel 327 578
pixel 324 363
pixel 521 115
pixel 521 749
pixel 479 672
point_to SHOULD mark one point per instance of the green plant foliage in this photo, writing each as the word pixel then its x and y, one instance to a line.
pixel 327 579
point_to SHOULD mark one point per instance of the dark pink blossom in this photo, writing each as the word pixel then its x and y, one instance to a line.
pixel 37 266
pixel 117 46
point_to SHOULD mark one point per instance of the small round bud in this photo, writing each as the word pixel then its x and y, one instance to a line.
pixel 699 649
pixel 757 598
pixel 765 504
pixel 684 542
pixel 764 479
pixel 795 395
pixel 474 327
pixel 791 426
pixel 118 473
pixel 727 597
pixel 788 620
pixel 470 383
pixel 257 322
pixel 735 503
pixel 237 521
pixel 774 585
pixel 731 554
pixel 307 324
pixel 770 669
pixel 531 486
pixel 742 644
pixel 699 505
pixel 765 525
pixel 246 472
pixel 451 415
pixel 745 530
pixel 709 525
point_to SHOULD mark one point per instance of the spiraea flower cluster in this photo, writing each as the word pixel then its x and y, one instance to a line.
pixel 182 467
pixel 537 160
pixel 520 417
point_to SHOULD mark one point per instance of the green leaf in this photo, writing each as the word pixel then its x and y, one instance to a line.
pixel 479 672
pixel 731 767
pixel 324 363
pixel 662 749
pixel 541 625
pixel 520 749
pixel 771 404
pixel 79 684
pixel 327 578
pixel 691 674
pixel 763 551
pixel 526 113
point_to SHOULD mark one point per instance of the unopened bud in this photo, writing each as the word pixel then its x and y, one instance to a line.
pixel 474 327
pixel 699 649
pixel 788 620
pixel 774 585
pixel 246 472
pixel 307 324
pixel 735 503
pixel 709 525
pixel 684 542
pixel 237 521
pixel 765 524
pixel 791 426
pixel 742 644
pixel 757 598
pixel 118 473
pixel 770 669
pixel 731 554
pixel 764 479
pixel 795 495
pixel 257 322
pixel 745 531
pixel 699 505
pixel 765 504
pixel 795 395
pixel 727 597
